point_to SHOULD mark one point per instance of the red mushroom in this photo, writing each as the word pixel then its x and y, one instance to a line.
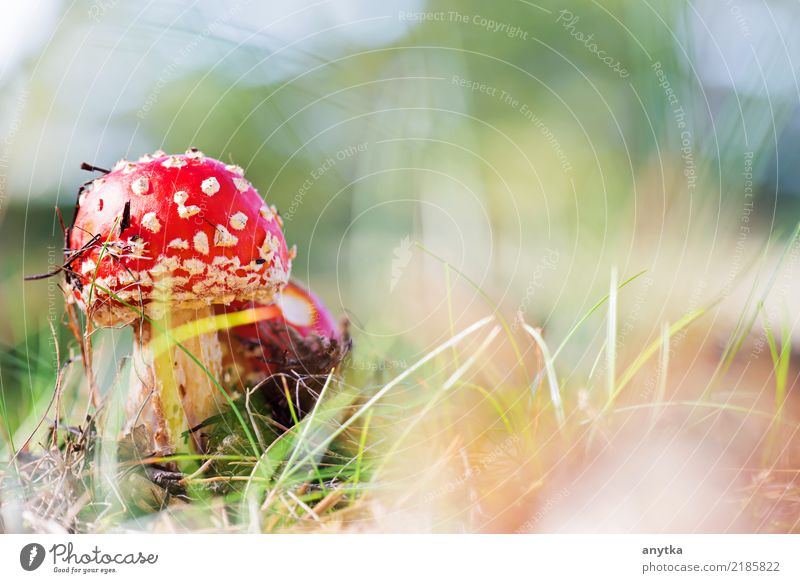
pixel 304 340
pixel 173 236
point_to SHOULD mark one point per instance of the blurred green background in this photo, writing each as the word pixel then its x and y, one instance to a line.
pixel 532 145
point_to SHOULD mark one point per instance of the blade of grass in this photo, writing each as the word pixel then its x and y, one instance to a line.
pixel 597 360
pixel 611 335
pixel 693 404
pixel 663 368
pixel 450 308
pixel 552 379
pixel 211 324
pixel 6 417
pixel 780 359
pixel 493 402
pixel 780 370
pixel 362 442
pixel 290 402
pixel 461 370
pixel 648 352
pixel 591 311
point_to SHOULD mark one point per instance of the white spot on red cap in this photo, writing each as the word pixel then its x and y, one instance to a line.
pixel 166 264
pixel 180 197
pixel 266 212
pixel 141 185
pixel 200 241
pixel 178 244
pixel 194 266
pixel 269 247
pixel 210 186
pixel 194 154
pixel 150 222
pixel 238 221
pixel 158 270
pixel 88 266
pixel 153 156
pixel 174 162
pixel 223 237
pixel 241 184
pixel 234 261
pixel 185 212
pixel 137 246
pixel 234 169
pixel 125 278
pixel 124 166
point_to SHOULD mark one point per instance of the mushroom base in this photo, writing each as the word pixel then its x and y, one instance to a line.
pixel 170 392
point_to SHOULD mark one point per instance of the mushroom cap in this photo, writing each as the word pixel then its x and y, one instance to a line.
pixel 305 337
pixel 305 312
pixel 183 231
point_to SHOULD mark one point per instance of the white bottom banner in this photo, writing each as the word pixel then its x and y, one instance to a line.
pixel 767 558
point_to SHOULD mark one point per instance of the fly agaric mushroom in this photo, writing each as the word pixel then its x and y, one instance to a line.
pixel 304 339
pixel 172 236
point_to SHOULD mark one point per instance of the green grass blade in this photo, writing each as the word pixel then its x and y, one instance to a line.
pixel 552 379
pixel 362 443
pixel 648 352
pixel 591 311
pixel 611 335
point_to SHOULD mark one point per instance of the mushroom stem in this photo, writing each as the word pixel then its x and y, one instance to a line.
pixel 169 392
